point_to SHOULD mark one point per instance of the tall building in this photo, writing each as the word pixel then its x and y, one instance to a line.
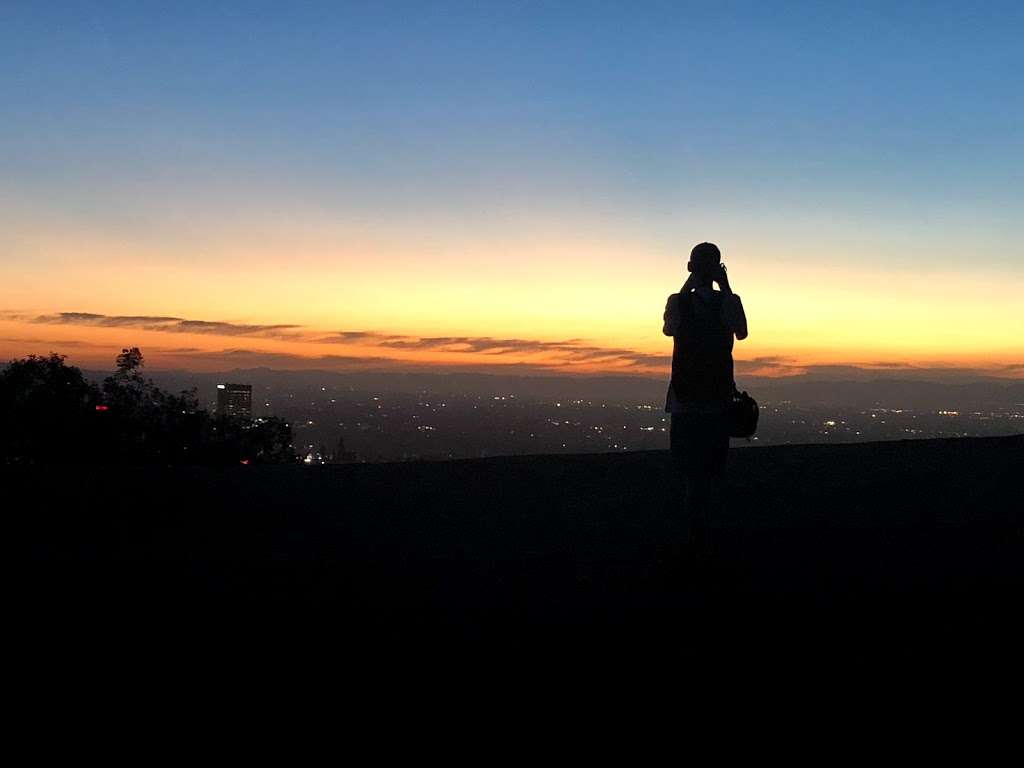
pixel 234 400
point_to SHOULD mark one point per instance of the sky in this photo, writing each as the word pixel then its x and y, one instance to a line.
pixel 512 185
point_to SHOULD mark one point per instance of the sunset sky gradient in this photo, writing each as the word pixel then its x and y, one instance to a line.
pixel 509 184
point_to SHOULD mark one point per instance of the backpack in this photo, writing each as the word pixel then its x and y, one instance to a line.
pixel 743 413
pixel 702 367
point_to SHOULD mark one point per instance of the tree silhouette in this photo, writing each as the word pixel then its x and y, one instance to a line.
pixel 51 413
pixel 129 362
pixel 47 409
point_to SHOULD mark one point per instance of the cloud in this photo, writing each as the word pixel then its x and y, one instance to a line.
pixel 388 352
pixel 652 361
pixel 165 324
pixel 254 358
pixel 887 365
pixel 471 344
pixel 868 372
pixel 55 342
pixel 355 337
pixel 88 318
pixel 560 353
pixel 481 353
pixel 569 350
pixel 257 358
pixel 14 316
pixel 770 365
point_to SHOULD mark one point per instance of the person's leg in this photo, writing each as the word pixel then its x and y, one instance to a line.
pixel 698 477
pixel 677 446
pixel 718 454
pixel 697 501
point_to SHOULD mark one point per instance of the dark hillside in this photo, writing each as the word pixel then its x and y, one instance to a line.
pixel 869 546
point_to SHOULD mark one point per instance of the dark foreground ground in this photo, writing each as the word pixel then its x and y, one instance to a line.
pixel 849 550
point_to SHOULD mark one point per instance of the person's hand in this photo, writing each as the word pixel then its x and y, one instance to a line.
pixel 722 278
pixel 690 283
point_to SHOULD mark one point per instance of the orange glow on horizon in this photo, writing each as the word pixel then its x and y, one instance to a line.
pixel 96 347
pixel 571 303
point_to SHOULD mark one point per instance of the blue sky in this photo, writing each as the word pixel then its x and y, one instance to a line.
pixel 733 99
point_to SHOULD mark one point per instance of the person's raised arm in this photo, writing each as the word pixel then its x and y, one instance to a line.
pixel 732 308
pixel 735 317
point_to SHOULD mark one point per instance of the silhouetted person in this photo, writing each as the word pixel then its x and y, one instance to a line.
pixel 702 323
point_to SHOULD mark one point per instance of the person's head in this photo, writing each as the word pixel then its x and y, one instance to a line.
pixel 704 260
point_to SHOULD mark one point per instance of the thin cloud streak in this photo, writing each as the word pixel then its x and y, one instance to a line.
pixel 482 352
pixel 251 358
pixel 567 352
pixel 166 324
pixel 55 342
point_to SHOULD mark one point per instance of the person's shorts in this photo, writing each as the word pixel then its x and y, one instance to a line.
pixel 699 443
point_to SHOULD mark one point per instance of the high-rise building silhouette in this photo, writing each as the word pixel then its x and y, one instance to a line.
pixel 234 400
